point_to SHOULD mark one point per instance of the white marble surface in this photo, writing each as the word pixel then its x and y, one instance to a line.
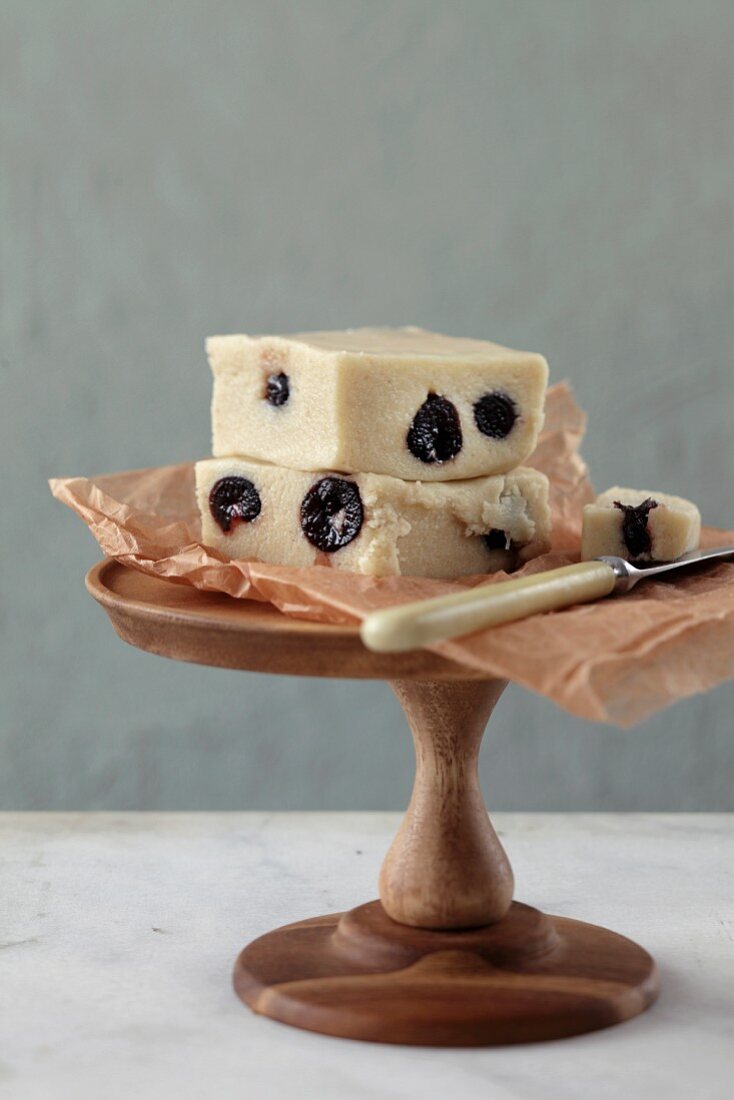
pixel 118 933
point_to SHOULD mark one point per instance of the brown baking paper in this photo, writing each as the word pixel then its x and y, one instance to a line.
pixel 614 661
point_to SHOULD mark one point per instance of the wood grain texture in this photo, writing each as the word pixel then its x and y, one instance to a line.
pixel 208 628
pixel 461 966
pixel 527 978
pixel 446 868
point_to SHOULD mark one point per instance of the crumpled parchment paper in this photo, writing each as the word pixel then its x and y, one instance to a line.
pixel 618 660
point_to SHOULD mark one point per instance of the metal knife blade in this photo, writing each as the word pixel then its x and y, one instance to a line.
pixel 628 575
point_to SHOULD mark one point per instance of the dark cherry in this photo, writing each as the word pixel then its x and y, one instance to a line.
pixel 234 500
pixel 277 389
pixel 497 539
pixel 635 529
pixel 331 514
pixel 495 414
pixel 435 434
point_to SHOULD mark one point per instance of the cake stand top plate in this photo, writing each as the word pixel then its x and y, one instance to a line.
pixel 209 628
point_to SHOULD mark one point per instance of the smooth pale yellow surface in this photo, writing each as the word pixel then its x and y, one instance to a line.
pixel 674 526
pixel 409 528
pixel 353 396
pixel 419 624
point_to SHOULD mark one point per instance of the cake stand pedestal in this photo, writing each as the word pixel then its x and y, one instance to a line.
pixel 445 957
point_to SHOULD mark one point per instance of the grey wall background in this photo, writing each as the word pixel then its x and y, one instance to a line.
pixel 555 175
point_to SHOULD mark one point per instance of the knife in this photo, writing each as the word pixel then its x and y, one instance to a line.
pixel 412 625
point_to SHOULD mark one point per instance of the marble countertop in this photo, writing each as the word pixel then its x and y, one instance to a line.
pixel 118 933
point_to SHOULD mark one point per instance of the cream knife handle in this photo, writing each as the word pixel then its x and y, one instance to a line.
pixel 419 624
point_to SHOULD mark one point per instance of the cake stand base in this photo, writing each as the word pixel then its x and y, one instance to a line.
pixel 529 977
pixel 445 958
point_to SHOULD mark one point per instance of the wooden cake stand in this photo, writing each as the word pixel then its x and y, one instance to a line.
pixel 445 957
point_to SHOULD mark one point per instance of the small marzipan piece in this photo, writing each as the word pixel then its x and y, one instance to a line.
pixel 639 525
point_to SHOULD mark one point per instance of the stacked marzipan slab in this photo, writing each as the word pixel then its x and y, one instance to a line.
pixel 380 451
